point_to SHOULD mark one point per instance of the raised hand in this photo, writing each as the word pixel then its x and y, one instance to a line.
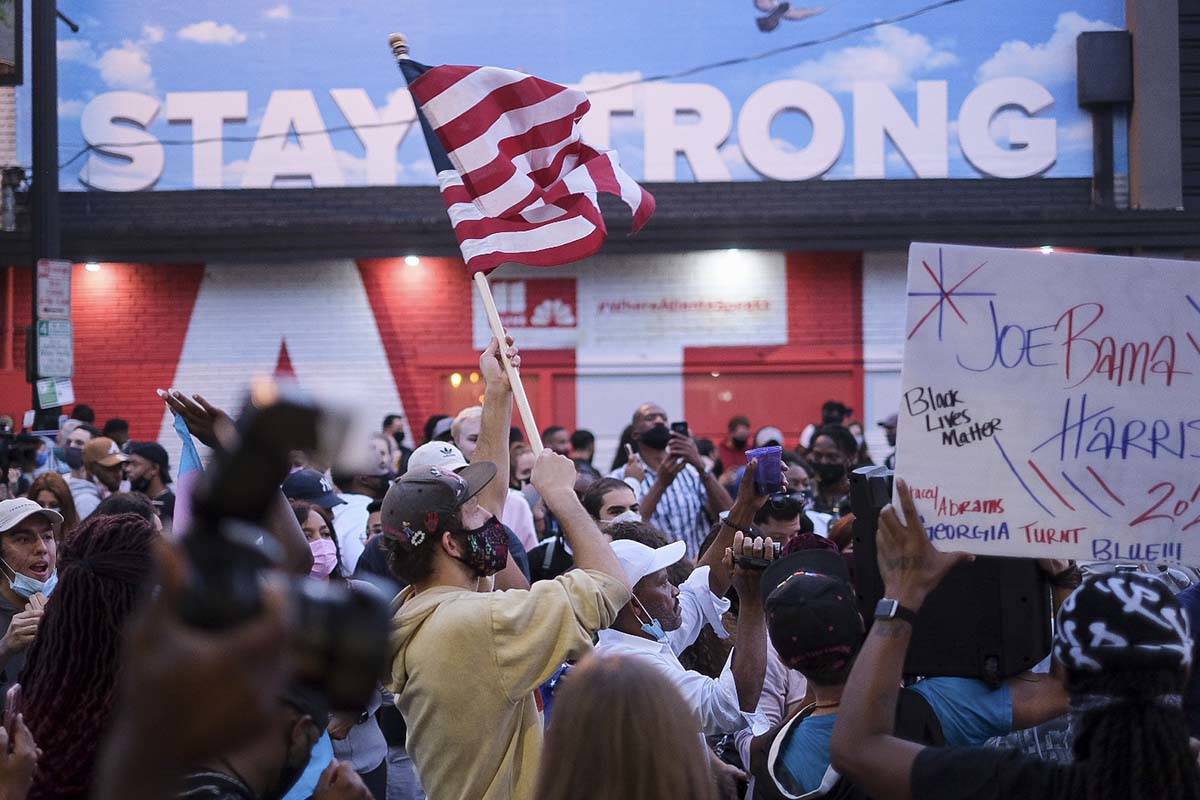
pixel 553 473
pixel 684 447
pixel 746 579
pixel 492 367
pixel 911 567
pixel 633 466
pixel 670 470
pixel 206 422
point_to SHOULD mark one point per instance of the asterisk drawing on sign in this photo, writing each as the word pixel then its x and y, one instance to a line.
pixel 944 296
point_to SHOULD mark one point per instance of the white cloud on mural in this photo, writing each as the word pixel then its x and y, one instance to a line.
pixel 70 109
pixel 210 32
pixel 896 56
pixel 76 50
pixel 280 12
pixel 1050 62
pixel 126 67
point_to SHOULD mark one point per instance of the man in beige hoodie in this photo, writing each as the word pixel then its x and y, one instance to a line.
pixel 467 664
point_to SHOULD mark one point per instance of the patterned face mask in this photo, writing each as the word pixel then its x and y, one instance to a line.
pixel 487 548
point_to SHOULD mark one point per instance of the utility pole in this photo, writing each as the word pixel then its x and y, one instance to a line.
pixel 46 234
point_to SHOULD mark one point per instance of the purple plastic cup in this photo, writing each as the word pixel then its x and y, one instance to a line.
pixel 768 474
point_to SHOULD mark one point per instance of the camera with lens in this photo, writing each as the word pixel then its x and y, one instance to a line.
pixel 787 504
pixel 339 633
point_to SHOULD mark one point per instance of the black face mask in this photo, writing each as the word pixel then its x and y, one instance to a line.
pixel 830 473
pixel 399 437
pixel 73 456
pixel 740 441
pixel 656 438
pixel 142 485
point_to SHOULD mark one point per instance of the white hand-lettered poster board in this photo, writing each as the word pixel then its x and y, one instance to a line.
pixel 1051 403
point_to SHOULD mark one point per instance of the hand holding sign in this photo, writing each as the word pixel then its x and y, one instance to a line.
pixel 1048 405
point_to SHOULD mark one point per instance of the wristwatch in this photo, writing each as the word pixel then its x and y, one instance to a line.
pixel 888 608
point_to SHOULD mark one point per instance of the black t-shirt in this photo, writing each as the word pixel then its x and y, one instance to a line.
pixel 977 773
pixel 166 503
pixel 209 785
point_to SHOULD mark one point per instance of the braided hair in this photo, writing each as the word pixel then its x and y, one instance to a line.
pixel 1135 746
pixel 67 686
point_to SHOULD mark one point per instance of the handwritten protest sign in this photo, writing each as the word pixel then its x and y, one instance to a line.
pixel 1051 403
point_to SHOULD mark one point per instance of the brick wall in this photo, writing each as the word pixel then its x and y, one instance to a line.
pixel 424 317
pixel 402 331
pixel 130 321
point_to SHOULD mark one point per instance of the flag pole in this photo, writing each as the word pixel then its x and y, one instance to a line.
pixel 399 46
pixel 514 377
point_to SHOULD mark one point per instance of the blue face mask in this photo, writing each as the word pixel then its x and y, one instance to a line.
pixel 27 587
pixel 652 628
pixel 42 457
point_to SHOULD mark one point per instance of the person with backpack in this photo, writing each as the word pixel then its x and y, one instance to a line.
pixel 814 624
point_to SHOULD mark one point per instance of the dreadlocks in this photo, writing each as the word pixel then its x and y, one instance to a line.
pixel 1135 745
pixel 69 677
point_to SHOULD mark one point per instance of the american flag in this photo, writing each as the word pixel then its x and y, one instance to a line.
pixel 518 181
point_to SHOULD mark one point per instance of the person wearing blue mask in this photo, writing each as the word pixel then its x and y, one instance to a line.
pixel 29 565
pixel 719 705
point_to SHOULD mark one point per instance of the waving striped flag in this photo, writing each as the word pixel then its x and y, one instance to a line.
pixel 518 181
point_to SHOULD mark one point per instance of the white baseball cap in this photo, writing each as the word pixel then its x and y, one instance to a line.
pixel 638 560
pixel 14 512
pixel 442 455
pixel 768 434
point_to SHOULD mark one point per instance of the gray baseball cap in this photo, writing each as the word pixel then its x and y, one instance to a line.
pixel 421 501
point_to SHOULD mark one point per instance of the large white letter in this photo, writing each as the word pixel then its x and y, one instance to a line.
pixel 1033 146
pixel 768 102
pixel 380 130
pixel 112 167
pixel 698 141
pixel 292 111
pixel 596 126
pixel 208 112
pixel 878 114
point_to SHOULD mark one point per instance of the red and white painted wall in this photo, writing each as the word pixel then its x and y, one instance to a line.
pixel 705 334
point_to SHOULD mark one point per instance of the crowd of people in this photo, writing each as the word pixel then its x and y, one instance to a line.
pixel 662 627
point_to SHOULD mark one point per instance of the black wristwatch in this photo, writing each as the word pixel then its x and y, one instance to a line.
pixel 888 608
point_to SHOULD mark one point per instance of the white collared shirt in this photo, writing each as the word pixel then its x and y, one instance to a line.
pixel 714 702
pixel 698 607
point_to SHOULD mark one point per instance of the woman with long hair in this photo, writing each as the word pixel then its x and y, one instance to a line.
pixel 67 686
pixel 612 718
pixel 51 491
pixel 317 524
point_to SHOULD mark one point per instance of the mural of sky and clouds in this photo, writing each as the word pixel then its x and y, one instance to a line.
pixel 264 47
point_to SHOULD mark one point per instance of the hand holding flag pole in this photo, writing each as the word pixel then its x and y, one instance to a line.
pixel 514 377
pixel 519 183
pixel 400 50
